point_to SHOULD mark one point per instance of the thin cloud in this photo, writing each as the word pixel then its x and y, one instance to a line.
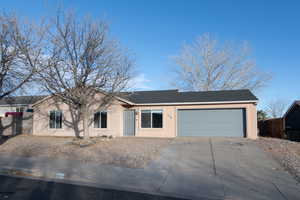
pixel 140 82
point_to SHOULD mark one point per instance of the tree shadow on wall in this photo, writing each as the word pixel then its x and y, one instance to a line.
pixel 11 126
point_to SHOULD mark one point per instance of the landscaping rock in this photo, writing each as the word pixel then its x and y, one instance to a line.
pixel 124 152
pixel 287 153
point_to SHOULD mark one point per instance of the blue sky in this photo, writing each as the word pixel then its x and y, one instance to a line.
pixel 154 30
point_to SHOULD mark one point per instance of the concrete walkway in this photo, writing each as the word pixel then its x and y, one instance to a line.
pixel 194 168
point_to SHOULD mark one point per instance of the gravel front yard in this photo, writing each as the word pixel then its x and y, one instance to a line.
pixel 284 151
pixel 124 152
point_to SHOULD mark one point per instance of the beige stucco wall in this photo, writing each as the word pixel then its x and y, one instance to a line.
pixel 4 109
pixel 170 119
pixel 115 120
pixel 41 120
pixel 10 108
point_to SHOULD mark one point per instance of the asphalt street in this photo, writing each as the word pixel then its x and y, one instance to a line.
pixel 12 188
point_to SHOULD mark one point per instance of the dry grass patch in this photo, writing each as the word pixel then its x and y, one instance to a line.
pixel 124 152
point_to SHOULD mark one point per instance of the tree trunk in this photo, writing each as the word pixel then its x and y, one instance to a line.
pixel 85 117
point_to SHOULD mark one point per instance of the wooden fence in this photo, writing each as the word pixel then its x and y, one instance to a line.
pixel 272 128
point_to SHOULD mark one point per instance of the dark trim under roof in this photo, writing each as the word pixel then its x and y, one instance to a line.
pixel 174 96
pixel 20 100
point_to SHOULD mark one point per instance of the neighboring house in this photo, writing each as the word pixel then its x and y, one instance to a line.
pixel 17 103
pixel 162 113
pixel 291 121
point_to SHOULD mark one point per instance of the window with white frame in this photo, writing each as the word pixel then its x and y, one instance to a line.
pixel 100 119
pixel 152 118
pixel 20 109
pixel 55 119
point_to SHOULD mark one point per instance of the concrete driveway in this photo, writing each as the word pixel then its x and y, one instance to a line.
pixel 223 168
pixel 191 168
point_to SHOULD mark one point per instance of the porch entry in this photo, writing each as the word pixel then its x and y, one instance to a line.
pixel 129 122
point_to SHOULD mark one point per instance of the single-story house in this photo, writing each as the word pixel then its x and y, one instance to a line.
pixel 17 103
pixel 291 121
pixel 161 113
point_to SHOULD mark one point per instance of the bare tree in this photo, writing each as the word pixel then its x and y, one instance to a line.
pixel 82 61
pixel 262 115
pixel 19 53
pixel 206 65
pixel 276 108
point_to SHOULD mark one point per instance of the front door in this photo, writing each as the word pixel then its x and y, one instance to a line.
pixel 129 122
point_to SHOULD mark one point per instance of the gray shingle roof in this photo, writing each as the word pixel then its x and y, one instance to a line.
pixel 174 96
pixel 158 96
pixel 24 100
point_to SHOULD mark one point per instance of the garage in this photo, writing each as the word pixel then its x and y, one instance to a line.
pixel 211 122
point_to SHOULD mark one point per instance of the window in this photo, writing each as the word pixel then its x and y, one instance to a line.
pixel 19 109
pixel 55 119
pixel 152 118
pixel 100 119
pixel 29 110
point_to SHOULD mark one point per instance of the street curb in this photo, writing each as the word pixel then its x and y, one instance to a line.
pixel 36 174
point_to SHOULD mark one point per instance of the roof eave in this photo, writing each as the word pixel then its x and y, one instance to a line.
pixel 47 97
pixel 41 100
pixel 124 100
pixel 17 104
pixel 290 108
pixel 198 103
